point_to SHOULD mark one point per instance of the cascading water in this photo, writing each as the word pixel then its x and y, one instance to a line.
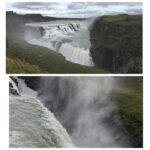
pixel 70 38
pixel 81 104
pixel 31 124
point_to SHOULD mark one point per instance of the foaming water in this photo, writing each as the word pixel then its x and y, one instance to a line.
pixel 31 124
pixel 70 38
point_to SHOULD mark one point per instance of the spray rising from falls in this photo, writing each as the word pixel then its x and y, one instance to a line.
pixel 83 106
pixel 70 38
pixel 31 124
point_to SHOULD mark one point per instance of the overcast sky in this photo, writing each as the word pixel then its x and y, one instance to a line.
pixel 76 9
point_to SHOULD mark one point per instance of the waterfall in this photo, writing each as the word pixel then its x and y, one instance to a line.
pixel 70 38
pixel 31 124
pixel 79 56
pixel 83 108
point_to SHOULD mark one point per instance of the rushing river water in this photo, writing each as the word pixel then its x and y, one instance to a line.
pixel 31 124
pixel 70 38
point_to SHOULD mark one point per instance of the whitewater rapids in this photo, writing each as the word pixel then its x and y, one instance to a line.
pixel 69 38
pixel 32 125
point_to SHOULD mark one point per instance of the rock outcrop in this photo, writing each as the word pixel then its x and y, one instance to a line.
pixel 116 43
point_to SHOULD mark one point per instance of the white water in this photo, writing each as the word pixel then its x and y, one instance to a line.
pixel 13 85
pixel 33 125
pixel 70 38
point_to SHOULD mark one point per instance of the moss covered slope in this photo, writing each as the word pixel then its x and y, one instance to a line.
pixel 128 97
pixel 15 65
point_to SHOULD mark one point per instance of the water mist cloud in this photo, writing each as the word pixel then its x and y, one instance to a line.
pixel 83 106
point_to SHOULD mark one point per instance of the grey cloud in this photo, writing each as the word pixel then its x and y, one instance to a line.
pixel 30 5
pixel 77 9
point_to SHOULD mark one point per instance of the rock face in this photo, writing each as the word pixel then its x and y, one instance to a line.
pixel 31 82
pixel 116 43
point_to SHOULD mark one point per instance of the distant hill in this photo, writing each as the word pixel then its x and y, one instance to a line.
pixel 36 17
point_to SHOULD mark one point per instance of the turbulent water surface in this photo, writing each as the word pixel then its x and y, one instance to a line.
pixel 32 125
pixel 68 37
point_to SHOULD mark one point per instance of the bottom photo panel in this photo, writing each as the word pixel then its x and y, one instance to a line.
pixel 75 112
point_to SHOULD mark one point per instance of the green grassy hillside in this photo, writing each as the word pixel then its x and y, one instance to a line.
pixel 128 97
pixel 15 65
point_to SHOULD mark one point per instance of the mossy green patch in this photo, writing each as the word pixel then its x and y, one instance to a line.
pixel 128 97
pixel 15 65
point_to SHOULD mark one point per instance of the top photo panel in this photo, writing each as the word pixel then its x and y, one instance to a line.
pixel 74 38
